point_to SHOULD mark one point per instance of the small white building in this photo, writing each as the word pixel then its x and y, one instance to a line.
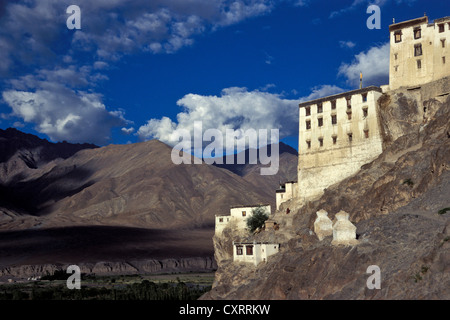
pixel 253 252
pixel 286 192
pixel 238 215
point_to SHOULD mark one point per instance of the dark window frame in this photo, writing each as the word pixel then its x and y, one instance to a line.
pixel 417 33
pixel 418 50
pixel 320 122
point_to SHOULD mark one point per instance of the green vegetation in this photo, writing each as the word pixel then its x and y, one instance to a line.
pixel 259 216
pixel 444 210
pixel 418 276
pixel 127 287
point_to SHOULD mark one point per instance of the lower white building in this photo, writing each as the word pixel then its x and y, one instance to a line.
pixel 253 252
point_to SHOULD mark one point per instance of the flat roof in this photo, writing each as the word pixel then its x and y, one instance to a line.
pixel 340 95
pixel 408 23
pixel 247 243
pixel 250 206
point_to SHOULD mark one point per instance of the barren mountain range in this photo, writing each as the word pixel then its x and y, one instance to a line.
pixel 65 203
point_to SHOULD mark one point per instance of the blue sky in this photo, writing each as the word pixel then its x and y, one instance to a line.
pixel 145 69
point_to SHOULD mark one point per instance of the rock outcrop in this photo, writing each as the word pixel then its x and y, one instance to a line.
pixel 150 266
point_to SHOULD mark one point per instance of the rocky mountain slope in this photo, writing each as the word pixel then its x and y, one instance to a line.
pixel 20 153
pixel 50 203
pixel 129 185
pixel 397 202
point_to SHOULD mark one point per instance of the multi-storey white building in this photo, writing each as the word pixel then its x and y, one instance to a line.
pixel 337 135
pixel 419 52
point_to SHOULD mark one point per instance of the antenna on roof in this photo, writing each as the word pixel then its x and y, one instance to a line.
pixel 360 80
pixel 393 20
pixel 424 14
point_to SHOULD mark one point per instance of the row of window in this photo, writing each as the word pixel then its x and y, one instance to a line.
pixel 248 250
pixel 334 118
pixel 419 64
pixel 334 137
pixel 333 104
pixel 418 32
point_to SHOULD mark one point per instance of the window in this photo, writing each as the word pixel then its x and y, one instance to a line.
pixel 365 112
pixel 320 121
pixel 443 43
pixel 321 142
pixel 308 111
pixel 419 64
pixel 244 213
pixel 396 68
pixel 249 250
pixel 220 219
pixel 417 50
pixel 443 60
pixel 349 115
pixel 417 33
pixel 398 36
pixel 441 27
pixel 333 119
pixel 333 105
pixel 366 133
pixel 239 250
pixel 350 137
pixel 334 139
pixel 308 143
pixel 395 56
pixel 349 102
pixel 364 97
pixel 308 124
pixel 319 108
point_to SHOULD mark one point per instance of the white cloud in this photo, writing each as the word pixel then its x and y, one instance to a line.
pixel 64 114
pixel 236 108
pixel 347 44
pixel 373 63
pixel 127 130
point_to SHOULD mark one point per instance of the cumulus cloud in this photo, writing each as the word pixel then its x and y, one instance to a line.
pixel 235 109
pixel 373 63
pixel 64 114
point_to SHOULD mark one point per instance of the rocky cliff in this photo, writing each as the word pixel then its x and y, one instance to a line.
pixel 397 202
pixel 149 266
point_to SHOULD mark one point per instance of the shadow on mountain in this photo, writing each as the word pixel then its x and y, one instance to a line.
pixel 101 243
pixel 36 196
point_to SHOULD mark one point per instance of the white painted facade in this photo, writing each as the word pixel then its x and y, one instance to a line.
pixel 419 52
pixel 253 252
pixel 337 135
pixel 286 192
pixel 344 232
pixel 238 216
